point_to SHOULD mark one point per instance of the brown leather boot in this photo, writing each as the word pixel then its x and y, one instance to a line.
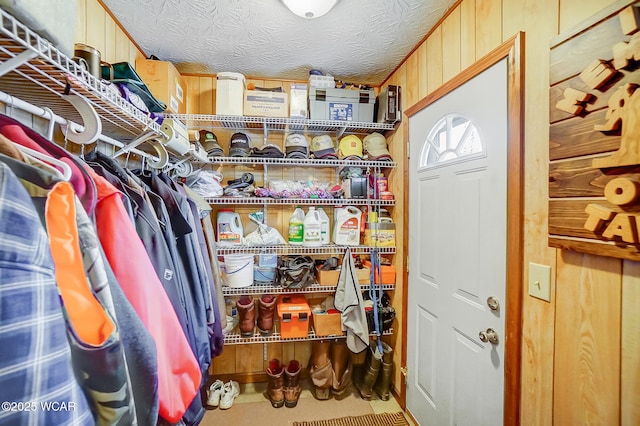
pixel 372 368
pixel 247 313
pixel 275 386
pixel 321 371
pixel 266 313
pixel 383 383
pixel 341 361
pixel 292 387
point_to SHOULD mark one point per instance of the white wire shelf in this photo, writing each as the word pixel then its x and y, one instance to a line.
pixel 237 339
pixel 257 289
pixel 300 201
pixel 286 249
pixel 284 124
pixel 306 162
pixel 32 69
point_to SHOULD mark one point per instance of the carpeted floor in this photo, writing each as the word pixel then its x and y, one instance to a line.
pixel 382 419
pixel 252 408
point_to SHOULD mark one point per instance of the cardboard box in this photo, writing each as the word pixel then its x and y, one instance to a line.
pixel 327 323
pixel 331 277
pixel 230 93
pixel 295 315
pixel 165 83
pixel 265 104
pixel 298 101
pixel 388 273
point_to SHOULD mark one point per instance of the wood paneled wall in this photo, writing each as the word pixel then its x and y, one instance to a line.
pixel 580 357
pixel 581 351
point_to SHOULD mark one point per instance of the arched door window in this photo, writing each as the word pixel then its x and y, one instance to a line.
pixel 453 137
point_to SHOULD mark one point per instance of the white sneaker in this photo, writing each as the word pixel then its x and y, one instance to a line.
pixel 230 391
pixel 214 393
pixel 232 322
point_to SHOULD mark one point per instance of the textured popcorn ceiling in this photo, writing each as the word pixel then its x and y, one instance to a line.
pixel 358 41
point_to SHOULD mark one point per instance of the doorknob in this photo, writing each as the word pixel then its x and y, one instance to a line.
pixel 489 336
pixel 493 303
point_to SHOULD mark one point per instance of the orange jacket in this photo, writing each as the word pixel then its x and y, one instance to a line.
pixel 178 371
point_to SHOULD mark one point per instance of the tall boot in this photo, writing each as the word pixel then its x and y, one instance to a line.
pixel 341 361
pixel 266 313
pixel 247 313
pixel 275 386
pixel 383 383
pixel 292 387
pixel 321 371
pixel 372 368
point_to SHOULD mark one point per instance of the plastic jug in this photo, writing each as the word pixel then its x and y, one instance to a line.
pixel 312 228
pixel 229 228
pixel 346 230
pixel 296 226
pixel 325 233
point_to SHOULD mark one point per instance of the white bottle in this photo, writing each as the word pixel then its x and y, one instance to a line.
pixel 325 232
pixel 296 226
pixel 312 229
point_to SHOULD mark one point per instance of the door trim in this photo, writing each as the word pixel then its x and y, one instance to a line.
pixel 513 51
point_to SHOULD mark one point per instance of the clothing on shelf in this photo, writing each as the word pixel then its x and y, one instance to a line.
pixel 138 301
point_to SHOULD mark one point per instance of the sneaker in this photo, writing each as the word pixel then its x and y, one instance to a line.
pixel 230 391
pixel 232 322
pixel 214 393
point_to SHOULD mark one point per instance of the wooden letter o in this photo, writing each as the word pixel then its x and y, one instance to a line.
pixel 621 191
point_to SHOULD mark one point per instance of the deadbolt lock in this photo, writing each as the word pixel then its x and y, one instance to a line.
pixel 489 336
pixel 493 303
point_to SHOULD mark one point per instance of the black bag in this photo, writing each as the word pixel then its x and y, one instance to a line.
pixel 123 74
pixel 386 313
pixel 295 271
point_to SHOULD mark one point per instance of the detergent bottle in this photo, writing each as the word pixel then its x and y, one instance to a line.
pixel 346 230
pixel 325 233
pixel 296 226
pixel 230 230
pixel 312 228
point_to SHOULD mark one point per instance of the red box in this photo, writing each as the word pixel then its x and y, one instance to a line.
pixel 295 315
pixel 388 273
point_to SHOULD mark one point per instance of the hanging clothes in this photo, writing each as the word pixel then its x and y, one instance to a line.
pixel 179 376
pixel 35 362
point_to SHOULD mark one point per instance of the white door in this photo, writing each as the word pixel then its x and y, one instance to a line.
pixel 457 254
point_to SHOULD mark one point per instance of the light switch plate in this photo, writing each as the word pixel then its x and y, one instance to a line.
pixel 540 281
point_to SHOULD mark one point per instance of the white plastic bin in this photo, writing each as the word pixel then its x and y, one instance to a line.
pixel 230 93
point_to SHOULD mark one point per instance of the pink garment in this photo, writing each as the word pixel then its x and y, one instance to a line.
pixel 178 371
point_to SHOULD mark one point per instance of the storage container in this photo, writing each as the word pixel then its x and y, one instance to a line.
pixel 258 103
pixel 230 93
pixel 327 323
pixel 341 104
pixel 331 277
pixel 295 315
pixel 388 273
pixel 165 83
pixel 298 107
pixel 380 234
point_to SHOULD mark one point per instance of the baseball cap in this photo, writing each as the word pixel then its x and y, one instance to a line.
pixel 296 146
pixel 209 142
pixel 239 145
pixel 375 145
pixel 350 146
pixel 322 147
pixel 267 151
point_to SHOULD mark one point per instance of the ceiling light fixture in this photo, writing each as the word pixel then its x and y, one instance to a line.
pixel 309 9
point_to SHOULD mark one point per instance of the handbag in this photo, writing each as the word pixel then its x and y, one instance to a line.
pixel 123 74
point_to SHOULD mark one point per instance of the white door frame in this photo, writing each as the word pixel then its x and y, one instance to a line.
pixel 513 50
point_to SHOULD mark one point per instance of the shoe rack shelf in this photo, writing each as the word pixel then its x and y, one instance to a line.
pixel 32 69
pixel 287 249
pixel 301 201
pixel 257 289
pixel 279 124
pixel 237 339
pixel 301 162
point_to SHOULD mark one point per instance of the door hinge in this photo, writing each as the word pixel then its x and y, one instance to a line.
pixel 404 371
pixel 408 150
pixel 407 264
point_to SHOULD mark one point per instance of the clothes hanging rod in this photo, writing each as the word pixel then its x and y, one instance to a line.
pixel 47 114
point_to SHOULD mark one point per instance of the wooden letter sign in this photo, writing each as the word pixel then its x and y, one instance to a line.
pixel 594 135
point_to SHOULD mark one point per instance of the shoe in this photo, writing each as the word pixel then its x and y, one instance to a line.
pixel 275 387
pixel 372 368
pixel 247 313
pixel 231 389
pixel 321 371
pixel 232 322
pixel 342 366
pixel 266 313
pixel 383 383
pixel 214 392
pixel 292 387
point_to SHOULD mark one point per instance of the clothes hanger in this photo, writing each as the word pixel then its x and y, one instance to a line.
pixel 66 169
